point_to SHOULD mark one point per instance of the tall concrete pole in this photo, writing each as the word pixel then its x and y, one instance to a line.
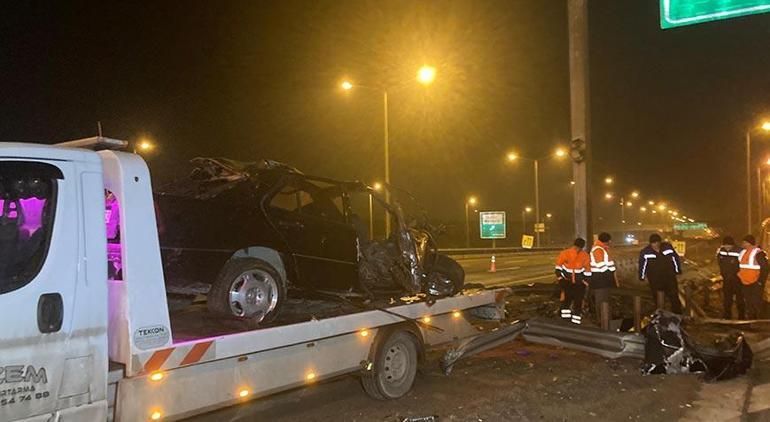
pixel 577 13
pixel 748 181
pixel 537 203
pixel 387 160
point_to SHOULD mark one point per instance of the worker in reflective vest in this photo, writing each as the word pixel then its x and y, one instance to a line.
pixel 603 276
pixel 660 264
pixel 752 271
pixel 572 268
pixel 727 257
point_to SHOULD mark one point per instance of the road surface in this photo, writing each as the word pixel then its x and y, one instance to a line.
pixel 512 269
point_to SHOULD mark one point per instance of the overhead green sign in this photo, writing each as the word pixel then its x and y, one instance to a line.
pixel 690 226
pixel 674 13
pixel 492 224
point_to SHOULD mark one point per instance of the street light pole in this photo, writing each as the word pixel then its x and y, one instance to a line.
pixel 748 181
pixel 622 210
pixel 387 160
pixel 537 204
pixel 371 218
pixel 467 227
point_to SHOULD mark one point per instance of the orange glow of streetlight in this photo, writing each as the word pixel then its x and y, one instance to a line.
pixel 548 215
pixel 512 156
pixel 426 75
pixel 608 195
pixel 527 209
pixel 472 200
pixel 767 162
pixel 572 183
pixel 766 126
pixel 643 209
pixel 346 85
pixel 608 180
pixel 662 207
pixel 377 186
pixel 560 152
pixel 629 204
pixel 634 194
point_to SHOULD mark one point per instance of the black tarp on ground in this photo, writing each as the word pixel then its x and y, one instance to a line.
pixel 670 350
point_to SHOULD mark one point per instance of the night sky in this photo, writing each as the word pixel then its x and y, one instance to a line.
pixel 251 80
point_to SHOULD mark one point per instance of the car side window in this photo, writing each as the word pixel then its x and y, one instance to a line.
pixel 290 198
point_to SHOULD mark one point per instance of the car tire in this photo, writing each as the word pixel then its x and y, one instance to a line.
pixel 247 289
pixel 395 367
pixel 446 269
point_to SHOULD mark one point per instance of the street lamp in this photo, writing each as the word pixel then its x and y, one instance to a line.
pixel 377 187
pixel 608 180
pixel 143 145
pixel 634 194
pixel 608 195
pixel 524 213
pixel 765 126
pixel 559 152
pixel 425 75
pixel 470 201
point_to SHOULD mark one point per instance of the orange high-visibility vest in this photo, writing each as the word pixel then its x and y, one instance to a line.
pixel 748 267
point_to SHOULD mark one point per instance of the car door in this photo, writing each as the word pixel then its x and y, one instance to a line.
pixel 40 245
pixel 310 216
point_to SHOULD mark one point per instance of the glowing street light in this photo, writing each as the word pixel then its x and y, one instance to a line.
pixel 650 203
pixel 472 200
pixel 634 194
pixel 766 126
pixel 548 215
pixel 524 213
pixel 643 209
pixel 608 195
pixel 608 180
pixel 377 186
pixel 629 204
pixel 426 75
pixel 143 145
pixel 559 152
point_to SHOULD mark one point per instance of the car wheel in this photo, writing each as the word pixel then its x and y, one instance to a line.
pixel 446 278
pixel 248 289
pixel 395 367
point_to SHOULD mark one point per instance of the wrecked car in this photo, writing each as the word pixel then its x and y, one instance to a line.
pixel 260 230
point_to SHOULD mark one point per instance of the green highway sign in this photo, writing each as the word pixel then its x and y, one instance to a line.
pixel 690 226
pixel 674 13
pixel 492 224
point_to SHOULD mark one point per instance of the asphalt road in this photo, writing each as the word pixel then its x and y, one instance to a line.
pixel 512 269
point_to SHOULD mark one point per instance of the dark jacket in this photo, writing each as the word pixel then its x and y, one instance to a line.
pixel 727 257
pixel 655 265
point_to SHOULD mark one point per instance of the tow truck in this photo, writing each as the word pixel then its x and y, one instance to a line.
pixel 82 343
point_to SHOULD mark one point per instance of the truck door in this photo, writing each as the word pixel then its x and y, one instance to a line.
pixel 310 216
pixel 39 269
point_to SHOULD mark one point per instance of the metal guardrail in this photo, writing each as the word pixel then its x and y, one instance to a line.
pixel 471 251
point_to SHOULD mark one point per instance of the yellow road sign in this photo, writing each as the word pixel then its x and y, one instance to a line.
pixel 527 241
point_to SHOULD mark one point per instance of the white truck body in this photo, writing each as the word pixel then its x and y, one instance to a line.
pixel 77 346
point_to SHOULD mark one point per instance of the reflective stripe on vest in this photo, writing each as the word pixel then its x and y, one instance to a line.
pixel 600 267
pixel 749 269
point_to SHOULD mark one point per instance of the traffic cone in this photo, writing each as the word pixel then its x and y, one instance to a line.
pixel 492 265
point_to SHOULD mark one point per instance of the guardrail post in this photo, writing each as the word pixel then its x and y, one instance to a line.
pixel 637 313
pixel 659 299
pixel 605 315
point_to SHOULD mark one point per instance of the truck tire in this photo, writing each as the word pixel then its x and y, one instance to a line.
pixel 395 367
pixel 446 278
pixel 248 289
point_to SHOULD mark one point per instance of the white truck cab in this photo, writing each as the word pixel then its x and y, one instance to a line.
pixel 80 342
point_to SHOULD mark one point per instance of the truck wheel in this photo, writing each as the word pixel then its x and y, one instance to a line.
pixel 395 366
pixel 446 278
pixel 248 289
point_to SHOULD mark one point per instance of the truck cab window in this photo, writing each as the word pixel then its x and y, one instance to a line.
pixel 27 208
